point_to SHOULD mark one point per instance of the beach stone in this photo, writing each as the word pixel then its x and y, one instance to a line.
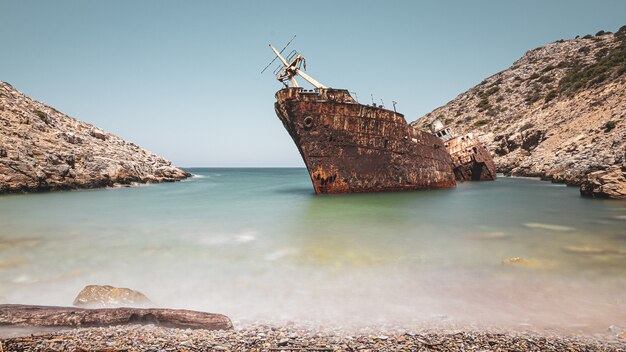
pixel 531 263
pixel 104 296
pixel 515 261
pixel 614 329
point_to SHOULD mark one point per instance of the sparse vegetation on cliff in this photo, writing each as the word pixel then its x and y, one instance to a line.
pixel 42 115
pixel 610 64
pixel 610 125
pixel 481 122
pixel 551 95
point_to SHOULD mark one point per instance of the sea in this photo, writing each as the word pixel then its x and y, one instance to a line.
pixel 258 245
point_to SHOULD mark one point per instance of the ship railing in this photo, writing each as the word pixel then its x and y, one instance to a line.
pixel 291 56
pixel 309 91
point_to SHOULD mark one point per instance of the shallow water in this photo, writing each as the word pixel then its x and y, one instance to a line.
pixel 257 244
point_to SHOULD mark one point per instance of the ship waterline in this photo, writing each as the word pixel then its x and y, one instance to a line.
pixel 350 147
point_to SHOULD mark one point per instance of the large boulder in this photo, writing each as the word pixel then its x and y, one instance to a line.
pixel 609 183
pixel 97 296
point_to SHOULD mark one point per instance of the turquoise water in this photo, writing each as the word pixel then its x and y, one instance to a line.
pixel 258 244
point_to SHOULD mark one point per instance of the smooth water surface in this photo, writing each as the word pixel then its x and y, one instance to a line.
pixel 258 244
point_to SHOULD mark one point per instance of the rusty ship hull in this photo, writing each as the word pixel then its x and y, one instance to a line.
pixel 349 147
pixel 480 168
pixel 471 160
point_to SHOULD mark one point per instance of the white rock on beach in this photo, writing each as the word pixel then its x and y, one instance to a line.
pixel 97 296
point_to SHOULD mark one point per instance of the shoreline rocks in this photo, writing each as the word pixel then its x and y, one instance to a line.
pixel 610 183
pixel 42 149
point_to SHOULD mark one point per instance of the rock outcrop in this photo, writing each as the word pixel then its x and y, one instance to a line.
pixel 99 296
pixel 558 113
pixel 609 183
pixel 44 149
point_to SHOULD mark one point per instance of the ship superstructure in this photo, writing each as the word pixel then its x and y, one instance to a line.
pixel 471 160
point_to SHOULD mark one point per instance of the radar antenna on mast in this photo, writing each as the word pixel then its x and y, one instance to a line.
pixel 274 59
pixel 291 67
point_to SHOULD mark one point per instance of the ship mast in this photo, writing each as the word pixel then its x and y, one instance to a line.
pixel 291 69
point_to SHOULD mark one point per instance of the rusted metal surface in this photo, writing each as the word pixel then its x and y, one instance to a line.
pixel 349 147
pixel 471 160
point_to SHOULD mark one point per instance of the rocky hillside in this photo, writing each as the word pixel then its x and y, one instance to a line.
pixel 558 113
pixel 44 149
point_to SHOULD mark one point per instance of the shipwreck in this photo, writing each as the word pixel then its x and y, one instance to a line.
pixel 351 147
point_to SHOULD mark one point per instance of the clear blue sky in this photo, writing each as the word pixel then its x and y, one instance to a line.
pixel 182 78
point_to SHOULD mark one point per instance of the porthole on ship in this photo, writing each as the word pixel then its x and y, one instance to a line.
pixel 308 122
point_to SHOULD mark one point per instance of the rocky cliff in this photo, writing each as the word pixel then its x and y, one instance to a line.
pixel 44 149
pixel 558 113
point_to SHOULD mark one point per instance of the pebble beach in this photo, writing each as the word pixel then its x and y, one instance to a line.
pixel 289 337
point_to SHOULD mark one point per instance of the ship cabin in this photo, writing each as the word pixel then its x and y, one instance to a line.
pixel 438 129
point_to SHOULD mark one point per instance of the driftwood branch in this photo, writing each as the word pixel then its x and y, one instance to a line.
pixel 25 315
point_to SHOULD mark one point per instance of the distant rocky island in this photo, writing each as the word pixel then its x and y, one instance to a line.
pixel 43 149
pixel 558 113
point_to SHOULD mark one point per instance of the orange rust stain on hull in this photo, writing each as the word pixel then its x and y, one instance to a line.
pixel 349 147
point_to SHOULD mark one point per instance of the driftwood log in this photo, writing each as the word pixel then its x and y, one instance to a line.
pixel 26 315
